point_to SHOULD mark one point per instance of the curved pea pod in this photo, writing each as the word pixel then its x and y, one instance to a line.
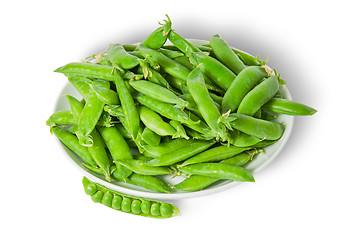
pixel 171 53
pixel 181 154
pixel 130 111
pixel 265 130
pixel 226 55
pixel 240 139
pixel 72 142
pixel 117 147
pixel 158 38
pixel 180 131
pixel 242 84
pixel 158 92
pixel 207 107
pixel 81 84
pixel 61 117
pixel 139 166
pixel 129 204
pixel 166 147
pixel 258 96
pixel 215 154
pixel 213 69
pixel 99 154
pixel 106 95
pixel 150 137
pixel 165 109
pixel 219 170
pixel 117 55
pixel 182 44
pixel 288 107
pixel 248 59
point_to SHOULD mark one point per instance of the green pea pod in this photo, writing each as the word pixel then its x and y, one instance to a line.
pixel 71 141
pixel 119 56
pixel 81 84
pixel 171 53
pixel 150 137
pixel 61 117
pixel 225 54
pixel 182 44
pixel 90 70
pixel 151 74
pixel 106 95
pixel 248 59
pixel 180 131
pixel 201 128
pixel 219 170
pixel 285 106
pixel 181 154
pixel 158 92
pixel 167 147
pixel 258 96
pixel 158 38
pixel 240 139
pixel 208 109
pixel 128 105
pixel 242 84
pixel 165 109
pixel 99 154
pixel 149 182
pixel 140 167
pixel 215 154
pixel 130 204
pixel 265 130
pixel 117 147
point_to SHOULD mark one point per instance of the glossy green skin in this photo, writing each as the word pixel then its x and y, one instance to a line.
pixel 168 65
pixel 155 123
pixel 149 182
pixel 201 128
pixel 208 109
pixel 165 109
pixel 117 147
pixel 258 96
pixel 265 130
pixel 240 139
pixel 106 95
pixel 242 84
pixel 182 44
pixel 285 106
pixel 158 92
pixel 158 38
pixel 72 142
pixel 91 70
pixel 215 154
pixel 215 70
pixel 181 154
pixel 130 111
pixel 139 166
pixel 99 154
pixel 150 137
pixel 130 204
pixel 151 74
pixel 166 147
pixel 171 53
pixel 117 55
pixel 61 117
pixel 180 131
pixel 248 59
pixel 219 170
pixel 226 55
pixel 81 84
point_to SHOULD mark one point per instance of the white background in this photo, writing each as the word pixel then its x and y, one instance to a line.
pixel 299 196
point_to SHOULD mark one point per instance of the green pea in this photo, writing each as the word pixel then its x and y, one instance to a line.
pixel 166 210
pixel 107 199
pixel 97 197
pixel 136 206
pixel 116 203
pixel 145 207
pixel 126 204
pixel 90 189
pixel 155 209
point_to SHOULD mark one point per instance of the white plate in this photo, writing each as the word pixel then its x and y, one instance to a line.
pixel 258 163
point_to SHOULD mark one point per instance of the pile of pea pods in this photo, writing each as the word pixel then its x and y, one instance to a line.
pixel 167 106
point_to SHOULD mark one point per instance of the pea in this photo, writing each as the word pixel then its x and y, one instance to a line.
pixel 136 206
pixel 166 210
pixel 155 209
pixel 145 207
pixel 116 203
pixel 107 199
pixel 126 205
pixel 90 189
pixel 97 197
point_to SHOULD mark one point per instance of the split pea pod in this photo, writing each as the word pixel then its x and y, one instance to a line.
pixel 242 84
pixel 208 109
pixel 158 92
pixel 258 96
pixel 181 154
pixel 127 203
pixel 117 55
pixel 226 55
pixel 285 106
pixel 128 105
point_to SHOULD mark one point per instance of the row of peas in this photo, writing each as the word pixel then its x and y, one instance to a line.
pixel 152 109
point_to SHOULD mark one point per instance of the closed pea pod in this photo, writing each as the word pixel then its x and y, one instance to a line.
pixel 149 182
pixel 140 167
pixel 150 137
pixel 117 55
pixel 258 96
pixel 225 54
pixel 106 95
pixel 182 44
pixel 61 117
pixel 241 139
pixel 242 84
pixel 285 106
pixel 248 59
pixel 158 38
pixel 166 147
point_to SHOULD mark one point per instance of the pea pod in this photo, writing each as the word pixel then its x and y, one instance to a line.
pixel 182 44
pixel 139 166
pixel 119 56
pixel 219 170
pixel 158 38
pixel 150 137
pixel 106 95
pixel 166 147
pixel 248 59
pixel 285 106
pixel 61 117
pixel 128 204
pixel 258 96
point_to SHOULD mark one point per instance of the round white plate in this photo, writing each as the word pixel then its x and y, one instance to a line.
pixel 260 161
